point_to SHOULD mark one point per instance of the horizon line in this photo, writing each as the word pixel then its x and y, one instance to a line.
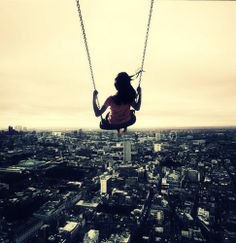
pixel 140 128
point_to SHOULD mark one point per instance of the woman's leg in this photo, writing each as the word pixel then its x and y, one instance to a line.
pixel 118 133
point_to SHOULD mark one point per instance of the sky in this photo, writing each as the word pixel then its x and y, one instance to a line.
pixel 190 64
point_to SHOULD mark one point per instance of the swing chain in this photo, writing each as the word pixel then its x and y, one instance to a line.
pixel 86 47
pixel 146 41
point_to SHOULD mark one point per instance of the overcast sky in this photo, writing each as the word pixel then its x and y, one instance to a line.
pixel 190 77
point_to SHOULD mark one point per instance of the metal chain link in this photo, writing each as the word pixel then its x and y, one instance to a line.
pixel 87 48
pixel 85 42
pixel 146 41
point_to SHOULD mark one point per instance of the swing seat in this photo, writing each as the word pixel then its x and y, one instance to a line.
pixel 105 125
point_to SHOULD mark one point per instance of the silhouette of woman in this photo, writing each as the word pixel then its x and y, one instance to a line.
pixel 120 115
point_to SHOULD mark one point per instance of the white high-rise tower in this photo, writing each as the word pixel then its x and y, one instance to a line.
pixel 127 151
pixel 158 136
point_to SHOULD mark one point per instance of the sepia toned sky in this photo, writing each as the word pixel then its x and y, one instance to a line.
pixel 190 77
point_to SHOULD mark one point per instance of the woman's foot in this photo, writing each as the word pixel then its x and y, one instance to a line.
pixel 121 132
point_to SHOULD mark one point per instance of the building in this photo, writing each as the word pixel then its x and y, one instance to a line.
pixel 157 147
pixel 56 133
pixel 158 136
pixel 92 236
pixel 11 130
pixel 50 210
pixel 173 136
pixel 127 151
pixel 193 175
pixel 71 228
pixel 160 216
pixel 203 215
pixel 82 203
pixel 124 237
pixel 31 164
pixel 105 182
pixel 199 142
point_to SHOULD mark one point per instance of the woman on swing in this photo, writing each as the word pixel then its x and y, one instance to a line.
pixel 120 115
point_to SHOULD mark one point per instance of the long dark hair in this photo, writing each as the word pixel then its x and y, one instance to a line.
pixel 126 94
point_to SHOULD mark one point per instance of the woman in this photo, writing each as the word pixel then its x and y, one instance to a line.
pixel 120 115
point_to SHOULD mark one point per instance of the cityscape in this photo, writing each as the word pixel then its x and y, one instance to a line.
pixel 91 186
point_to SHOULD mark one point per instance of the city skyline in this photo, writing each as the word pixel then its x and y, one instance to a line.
pixel 190 63
pixel 89 186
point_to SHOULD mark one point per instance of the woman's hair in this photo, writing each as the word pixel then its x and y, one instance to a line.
pixel 126 94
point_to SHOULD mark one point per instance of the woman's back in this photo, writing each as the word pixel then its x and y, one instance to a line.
pixel 118 113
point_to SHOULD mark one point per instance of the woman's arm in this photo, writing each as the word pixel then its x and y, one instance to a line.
pixel 137 104
pixel 97 111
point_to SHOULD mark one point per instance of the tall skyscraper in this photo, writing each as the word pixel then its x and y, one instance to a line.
pixel 11 130
pixel 127 151
pixel 158 136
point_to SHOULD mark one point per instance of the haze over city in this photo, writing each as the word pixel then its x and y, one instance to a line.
pixel 190 62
